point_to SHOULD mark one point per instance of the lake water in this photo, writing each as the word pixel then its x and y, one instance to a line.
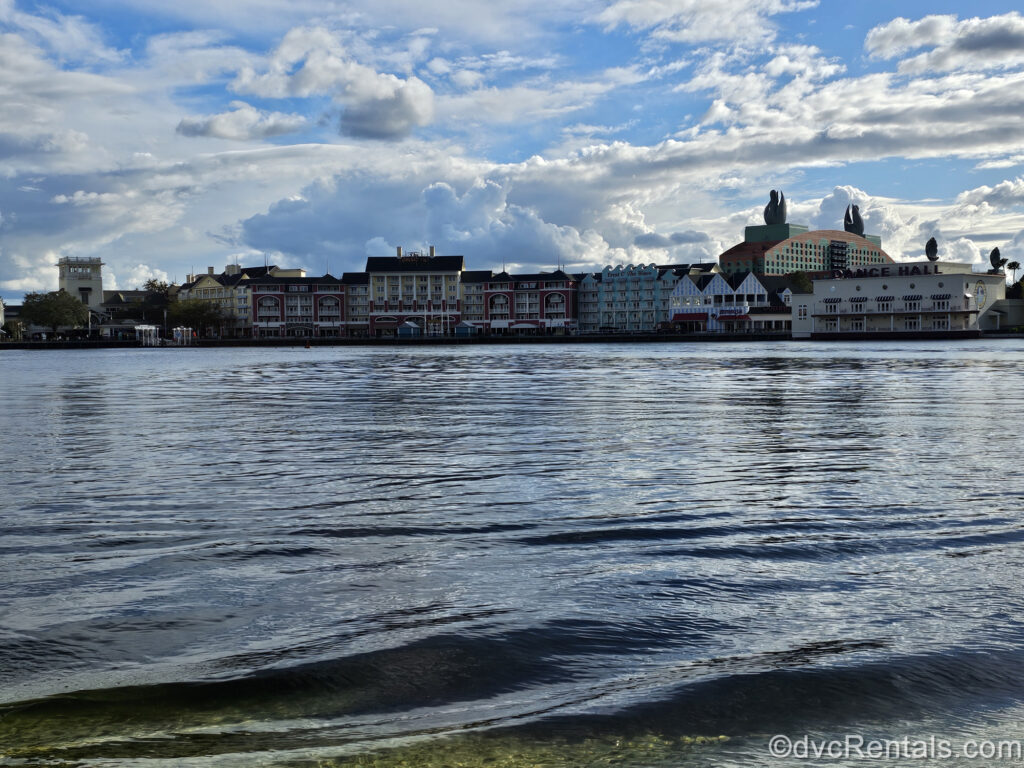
pixel 659 555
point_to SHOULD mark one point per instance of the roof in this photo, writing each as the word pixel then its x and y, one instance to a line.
pixel 355 278
pixel 272 280
pixel 540 276
pixel 414 264
pixel 476 276
pixel 748 249
pixel 123 297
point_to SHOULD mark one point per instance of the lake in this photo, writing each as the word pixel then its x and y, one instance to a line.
pixel 650 555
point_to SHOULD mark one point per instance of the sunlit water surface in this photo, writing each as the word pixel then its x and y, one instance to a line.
pixel 657 555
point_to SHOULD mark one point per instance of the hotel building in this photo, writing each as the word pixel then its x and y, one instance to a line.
pixel 742 302
pixel 416 288
pixel 297 306
pixel 525 304
pixel 231 292
pixel 780 249
pixel 631 298
pixel 937 299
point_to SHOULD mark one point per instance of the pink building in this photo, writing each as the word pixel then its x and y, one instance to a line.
pixel 542 303
pixel 298 306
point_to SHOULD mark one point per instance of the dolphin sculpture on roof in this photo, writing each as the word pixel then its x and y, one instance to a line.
pixel 931 249
pixel 852 222
pixel 775 211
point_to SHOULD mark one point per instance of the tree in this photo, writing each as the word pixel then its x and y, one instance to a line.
pixel 195 313
pixel 54 309
pixel 1014 265
pixel 801 282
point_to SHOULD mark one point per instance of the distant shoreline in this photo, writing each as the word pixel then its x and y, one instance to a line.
pixel 436 341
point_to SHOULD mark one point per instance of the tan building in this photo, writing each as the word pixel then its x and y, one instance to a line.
pixel 82 278
pixel 781 249
pixel 231 292
pixel 414 288
pixel 925 299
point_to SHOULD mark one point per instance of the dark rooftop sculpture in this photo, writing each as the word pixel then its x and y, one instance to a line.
pixel 931 249
pixel 775 211
pixel 996 261
pixel 852 222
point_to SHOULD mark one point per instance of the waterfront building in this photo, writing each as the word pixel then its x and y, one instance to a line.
pixel 472 285
pixel 231 292
pixel 780 249
pixel 82 277
pixel 417 288
pixel 631 298
pixel 305 307
pixel 931 298
pixel 357 303
pixel 738 303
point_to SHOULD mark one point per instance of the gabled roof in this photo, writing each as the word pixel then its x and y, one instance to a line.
pixel 355 278
pixel 123 297
pixel 476 276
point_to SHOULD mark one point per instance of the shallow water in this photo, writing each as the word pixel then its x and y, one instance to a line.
pixel 508 556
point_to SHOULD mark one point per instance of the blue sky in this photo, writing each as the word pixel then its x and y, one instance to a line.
pixel 167 137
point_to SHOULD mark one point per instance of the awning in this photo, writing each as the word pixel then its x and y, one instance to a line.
pixel 941 296
pixel 522 326
pixel 915 297
pixel 689 317
pixel 831 300
pixel 885 298
pixel 857 299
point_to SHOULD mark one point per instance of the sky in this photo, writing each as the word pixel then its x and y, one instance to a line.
pixel 165 138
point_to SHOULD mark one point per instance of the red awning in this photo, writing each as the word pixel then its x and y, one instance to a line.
pixel 689 317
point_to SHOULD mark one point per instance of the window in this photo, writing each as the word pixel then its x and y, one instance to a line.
pixel 911 324
pixel 801 312
pixel 913 306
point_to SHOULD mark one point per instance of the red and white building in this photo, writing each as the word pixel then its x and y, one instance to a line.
pixel 311 307
pixel 534 304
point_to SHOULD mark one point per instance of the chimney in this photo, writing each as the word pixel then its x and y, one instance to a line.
pixel 209 270
pixel 431 251
pixel 399 251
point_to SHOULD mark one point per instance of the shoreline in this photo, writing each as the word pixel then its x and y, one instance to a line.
pixel 432 341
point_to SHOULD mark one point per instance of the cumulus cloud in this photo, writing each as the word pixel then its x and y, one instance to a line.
pixel 313 61
pixel 1005 194
pixel 242 123
pixel 391 115
pixel 971 44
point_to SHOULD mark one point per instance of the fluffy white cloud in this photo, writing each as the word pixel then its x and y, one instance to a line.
pixel 312 61
pixel 242 123
pixel 1005 194
pixel 971 44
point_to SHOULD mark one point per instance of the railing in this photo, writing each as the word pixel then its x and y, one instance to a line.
pixel 866 308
